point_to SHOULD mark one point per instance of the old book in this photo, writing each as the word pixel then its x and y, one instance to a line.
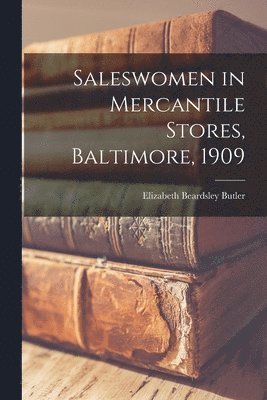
pixel 134 154
pixel 100 118
pixel 190 243
pixel 210 32
pixel 99 90
pixel 69 97
pixel 72 197
pixel 171 322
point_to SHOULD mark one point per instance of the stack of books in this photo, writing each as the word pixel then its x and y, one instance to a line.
pixel 159 292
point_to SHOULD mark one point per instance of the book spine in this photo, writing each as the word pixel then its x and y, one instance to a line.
pixel 144 321
pixel 152 321
pixel 211 32
pixel 168 242
pixel 66 197
pixel 51 154
pixel 158 37
pixel 188 34
pixel 100 118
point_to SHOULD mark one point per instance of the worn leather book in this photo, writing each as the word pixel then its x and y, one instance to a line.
pixel 169 321
pixel 189 243
pixel 210 32
pixel 99 118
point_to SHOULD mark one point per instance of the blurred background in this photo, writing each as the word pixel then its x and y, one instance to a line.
pixel 52 19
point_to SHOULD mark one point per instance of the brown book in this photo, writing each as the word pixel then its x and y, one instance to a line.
pixel 169 242
pixel 209 32
pixel 171 322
